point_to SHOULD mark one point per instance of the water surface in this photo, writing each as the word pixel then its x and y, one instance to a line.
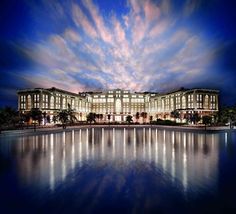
pixel 128 170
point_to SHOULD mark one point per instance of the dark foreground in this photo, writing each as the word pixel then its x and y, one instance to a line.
pixel 118 170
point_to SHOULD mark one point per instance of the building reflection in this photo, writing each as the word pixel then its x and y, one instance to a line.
pixel 186 157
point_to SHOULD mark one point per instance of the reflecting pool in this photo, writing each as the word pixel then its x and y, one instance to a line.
pixel 128 170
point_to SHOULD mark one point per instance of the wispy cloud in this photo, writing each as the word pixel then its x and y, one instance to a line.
pixel 140 49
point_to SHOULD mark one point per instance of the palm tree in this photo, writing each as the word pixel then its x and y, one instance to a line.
pixel 228 115
pixel 109 117
pixel 9 116
pixel 137 116
pixel 36 115
pixel 129 119
pixel 151 119
pixel 207 120
pixel 144 116
pixel 63 117
pixel 175 114
pixel 44 117
pixel 54 119
pixel 195 117
pixel 26 118
pixel 100 117
pixel 71 115
pixel 91 117
pixel 48 119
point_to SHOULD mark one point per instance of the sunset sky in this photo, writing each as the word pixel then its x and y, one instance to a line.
pixel 140 45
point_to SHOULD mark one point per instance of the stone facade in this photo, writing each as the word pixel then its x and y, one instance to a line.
pixel 120 103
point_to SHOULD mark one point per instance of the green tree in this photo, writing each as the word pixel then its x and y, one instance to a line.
pixel 207 120
pixel 9 117
pixel 195 118
pixel 228 115
pixel 91 117
pixel 137 115
pixel 151 119
pixel 100 117
pixel 144 116
pixel 63 117
pixel 175 114
pixel 26 118
pixel 48 119
pixel 109 117
pixel 54 119
pixel 71 115
pixel 44 117
pixel 36 115
pixel 129 119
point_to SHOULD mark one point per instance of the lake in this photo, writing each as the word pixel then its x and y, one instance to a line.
pixel 118 170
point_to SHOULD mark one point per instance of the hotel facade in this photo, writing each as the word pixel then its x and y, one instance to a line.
pixel 119 103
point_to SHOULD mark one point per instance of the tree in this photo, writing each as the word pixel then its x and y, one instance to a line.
pixel 207 120
pixel 1 120
pixel 151 119
pixel 26 118
pixel 228 115
pixel 48 119
pixel 9 117
pixel 175 114
pixel 137 115
pixel 36 115
pixel 109 117
pixel 100 117
pixel 91 117
pixel 54 119
pixel 144 116
pixel 71 114
pixel 44 117
pixel 195 118
pixel 129 119
pixel 63 117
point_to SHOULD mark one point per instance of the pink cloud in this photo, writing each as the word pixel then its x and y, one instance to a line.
pixel 139 29
pixel 119 31
pixel 98 20
pixel 158 29
pixel 151 11
pixel 81 20
pixel 72 35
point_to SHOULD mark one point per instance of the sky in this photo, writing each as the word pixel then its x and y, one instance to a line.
pixel 139 45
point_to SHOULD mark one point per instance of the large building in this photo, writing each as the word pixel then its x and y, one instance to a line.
pixel 120 103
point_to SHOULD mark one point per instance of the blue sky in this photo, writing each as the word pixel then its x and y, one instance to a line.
pixel 141 45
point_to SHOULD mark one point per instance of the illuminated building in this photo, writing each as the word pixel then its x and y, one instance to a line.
pixel 120 103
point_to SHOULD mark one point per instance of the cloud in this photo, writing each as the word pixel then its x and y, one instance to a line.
pixel 82 21
pixel 98 20
pixel 140 49
pixel 151 11
pixel 72 35
pixel 191 6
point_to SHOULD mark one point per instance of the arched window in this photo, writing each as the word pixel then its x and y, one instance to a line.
pixel 52 102
pixel 118 106
pixel 29 102
pixel 183 102
pixel 206 102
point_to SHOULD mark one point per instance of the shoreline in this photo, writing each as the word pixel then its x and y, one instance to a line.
pixel 42 130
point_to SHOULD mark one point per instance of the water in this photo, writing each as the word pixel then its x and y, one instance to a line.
pixel 118 170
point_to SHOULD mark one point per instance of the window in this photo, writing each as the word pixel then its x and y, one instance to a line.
pixel 110 100
pixel 183 102
pixel 177 100
pixel 22 102
pixel 52 102
pixel 206 102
